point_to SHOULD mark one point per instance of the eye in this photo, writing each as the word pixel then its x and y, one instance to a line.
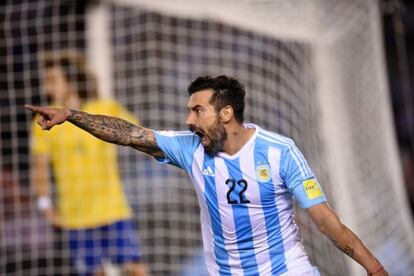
pixel 199 111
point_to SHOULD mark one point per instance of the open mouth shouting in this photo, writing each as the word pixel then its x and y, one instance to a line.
pixel 204 138
pixel 213 143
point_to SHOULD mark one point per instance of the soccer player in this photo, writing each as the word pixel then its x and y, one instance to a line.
pixel 245 178
pixel 91 205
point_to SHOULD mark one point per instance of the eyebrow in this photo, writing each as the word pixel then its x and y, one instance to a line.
pixel 194 107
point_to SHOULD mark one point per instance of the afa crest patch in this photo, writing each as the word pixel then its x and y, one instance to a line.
pixel 312 188
pixel 263 173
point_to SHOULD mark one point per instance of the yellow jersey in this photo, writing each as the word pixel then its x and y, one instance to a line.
pixel 88 185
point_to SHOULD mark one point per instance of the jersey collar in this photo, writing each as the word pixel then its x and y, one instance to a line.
pixel 245 146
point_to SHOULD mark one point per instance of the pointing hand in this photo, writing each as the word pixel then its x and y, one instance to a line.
pixel 49 116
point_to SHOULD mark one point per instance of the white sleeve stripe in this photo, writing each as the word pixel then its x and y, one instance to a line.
pixel 303 172
pixel 175 133
pixel 294 150
pixel 295 157
pixel 184 132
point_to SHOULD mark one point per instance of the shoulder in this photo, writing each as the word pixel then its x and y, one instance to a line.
pixel 178 133
pixel 178 147
pixel 275 139
pixel 185 139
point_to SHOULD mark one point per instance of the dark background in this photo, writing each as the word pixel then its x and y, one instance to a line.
pixel 398 26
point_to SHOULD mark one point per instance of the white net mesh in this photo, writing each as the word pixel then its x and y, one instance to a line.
pixel 313 71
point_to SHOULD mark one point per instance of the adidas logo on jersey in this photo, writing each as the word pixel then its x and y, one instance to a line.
pixel 208 171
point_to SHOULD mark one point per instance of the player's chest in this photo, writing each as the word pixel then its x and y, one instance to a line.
pixel 239 182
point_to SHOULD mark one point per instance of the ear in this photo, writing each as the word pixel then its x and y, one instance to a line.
pixel 226 114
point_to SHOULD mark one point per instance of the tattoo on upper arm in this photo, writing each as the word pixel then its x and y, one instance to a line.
pixel 118 131
pixel 143 139
pixel 345 248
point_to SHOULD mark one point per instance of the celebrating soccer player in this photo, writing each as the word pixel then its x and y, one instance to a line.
pixel 245 178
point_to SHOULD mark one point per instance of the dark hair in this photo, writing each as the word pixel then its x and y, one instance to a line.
pixel 226 91
pixel 75 69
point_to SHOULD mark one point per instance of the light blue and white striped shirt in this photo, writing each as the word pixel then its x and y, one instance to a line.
pixel 246 199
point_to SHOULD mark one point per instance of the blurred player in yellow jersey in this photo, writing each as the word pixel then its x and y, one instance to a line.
pixel 90 202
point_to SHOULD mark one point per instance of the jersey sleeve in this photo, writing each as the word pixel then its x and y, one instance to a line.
pixel 178 147
pixel 39 140
pixel 299 178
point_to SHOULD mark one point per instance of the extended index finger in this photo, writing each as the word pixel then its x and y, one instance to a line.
pixel 33 108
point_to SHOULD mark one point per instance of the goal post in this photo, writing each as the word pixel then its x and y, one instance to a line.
pixel 98 49
pixel 360 136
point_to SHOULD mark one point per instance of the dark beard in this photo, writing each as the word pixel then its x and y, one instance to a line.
pixel 217 139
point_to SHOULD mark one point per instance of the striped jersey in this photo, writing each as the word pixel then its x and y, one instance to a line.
pixel 246 199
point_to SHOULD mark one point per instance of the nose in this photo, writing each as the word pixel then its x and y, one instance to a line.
pixel 189 120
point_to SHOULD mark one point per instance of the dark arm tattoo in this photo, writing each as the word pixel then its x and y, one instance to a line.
pixel 344 248
pixel 117 131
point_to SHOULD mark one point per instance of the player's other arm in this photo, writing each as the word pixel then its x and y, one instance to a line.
pixel 40 175
pixel 110 129
pixel 344 239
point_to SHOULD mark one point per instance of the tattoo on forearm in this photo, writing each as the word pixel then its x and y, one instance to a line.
pixel 117 131
pixel 344 248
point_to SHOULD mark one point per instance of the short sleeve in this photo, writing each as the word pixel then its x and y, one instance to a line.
pixel 178 147
pixel 40 139
pixel 299 178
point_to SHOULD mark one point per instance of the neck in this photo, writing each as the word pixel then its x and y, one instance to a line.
pixel 237 137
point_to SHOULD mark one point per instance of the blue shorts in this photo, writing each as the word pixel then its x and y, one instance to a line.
pixel 116 242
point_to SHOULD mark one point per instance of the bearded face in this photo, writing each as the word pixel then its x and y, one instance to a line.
pixel 204 120
pixel 213 138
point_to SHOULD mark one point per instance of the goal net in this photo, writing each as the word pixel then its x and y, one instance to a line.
pixel 313 70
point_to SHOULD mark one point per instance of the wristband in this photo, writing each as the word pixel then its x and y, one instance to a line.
pixel 43 203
